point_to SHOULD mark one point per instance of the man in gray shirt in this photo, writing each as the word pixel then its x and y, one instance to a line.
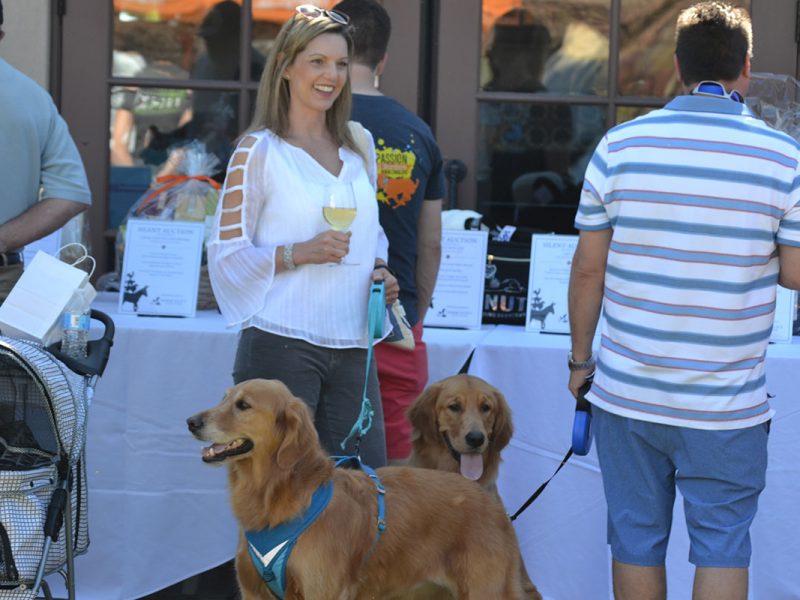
pixel 43 180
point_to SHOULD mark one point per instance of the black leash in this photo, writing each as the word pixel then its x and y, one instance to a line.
pixel 536 494
pixel 465 367
pixel 581 440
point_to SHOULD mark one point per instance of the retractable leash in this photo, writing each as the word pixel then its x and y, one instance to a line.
pixel 581 440
pixel 582 424
pixel 375 314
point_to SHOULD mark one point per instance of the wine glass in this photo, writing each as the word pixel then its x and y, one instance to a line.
pixel 339 209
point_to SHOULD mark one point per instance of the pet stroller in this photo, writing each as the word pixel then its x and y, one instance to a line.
pixel 44 398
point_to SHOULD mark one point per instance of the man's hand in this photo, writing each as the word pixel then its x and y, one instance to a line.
pixel 577 379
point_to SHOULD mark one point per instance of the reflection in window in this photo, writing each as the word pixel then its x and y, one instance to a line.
pixel 531 161
pixel 149 124
pixel 647 45
pixel 546 45
pixel 194 39
pixel 220 31
pixel 147 45
pixel 140 117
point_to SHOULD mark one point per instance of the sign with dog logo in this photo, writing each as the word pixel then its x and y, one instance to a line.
pixel 161 268
pixel 458 295
pixel 548 282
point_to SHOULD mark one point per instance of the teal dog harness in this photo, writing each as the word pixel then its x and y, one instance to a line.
pixel 270 547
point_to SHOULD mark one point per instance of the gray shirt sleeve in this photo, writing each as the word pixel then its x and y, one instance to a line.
pixel 62 172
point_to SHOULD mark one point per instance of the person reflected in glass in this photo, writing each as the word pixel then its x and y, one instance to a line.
pixel 521 139
pixel 139 115
pixel 270 250
pixel 216 113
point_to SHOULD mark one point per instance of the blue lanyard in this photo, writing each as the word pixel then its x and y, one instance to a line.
pixel 714 88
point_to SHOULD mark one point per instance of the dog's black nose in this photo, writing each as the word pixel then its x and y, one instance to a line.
pixel 195 423
pixel 474 439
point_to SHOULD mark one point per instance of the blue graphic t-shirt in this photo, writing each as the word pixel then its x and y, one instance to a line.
pixel 409 172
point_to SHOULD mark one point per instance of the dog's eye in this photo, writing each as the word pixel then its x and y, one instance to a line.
pixel 242 405
pixel 456 408
pixel 485 408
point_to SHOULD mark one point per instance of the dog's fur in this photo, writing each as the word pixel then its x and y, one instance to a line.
pixel 440 527
pixel 463 410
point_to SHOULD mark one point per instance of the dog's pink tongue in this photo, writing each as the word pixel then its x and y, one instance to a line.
pixel 472 466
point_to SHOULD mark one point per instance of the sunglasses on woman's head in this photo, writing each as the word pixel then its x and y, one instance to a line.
pixel 309 11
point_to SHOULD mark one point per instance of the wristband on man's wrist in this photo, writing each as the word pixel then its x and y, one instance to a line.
pixel 579 365
pixel 385 266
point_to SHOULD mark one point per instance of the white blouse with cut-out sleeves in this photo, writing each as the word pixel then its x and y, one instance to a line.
pixel 273 195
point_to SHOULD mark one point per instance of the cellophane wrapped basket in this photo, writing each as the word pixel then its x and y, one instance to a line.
pixel 188 195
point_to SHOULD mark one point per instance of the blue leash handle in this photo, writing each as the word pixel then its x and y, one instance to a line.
pixel 375 315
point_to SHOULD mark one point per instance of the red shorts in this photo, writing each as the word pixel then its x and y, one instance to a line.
pixel 403 375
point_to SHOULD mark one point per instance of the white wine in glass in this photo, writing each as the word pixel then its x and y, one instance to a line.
pixel 339 218
pixel 339 208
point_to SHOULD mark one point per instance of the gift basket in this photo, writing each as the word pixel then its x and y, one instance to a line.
pixel 190 194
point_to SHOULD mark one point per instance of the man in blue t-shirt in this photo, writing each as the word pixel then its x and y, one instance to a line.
pixel 410 191
pixel 36 153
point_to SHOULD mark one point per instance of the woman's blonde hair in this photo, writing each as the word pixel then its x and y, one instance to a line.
pixel 272 102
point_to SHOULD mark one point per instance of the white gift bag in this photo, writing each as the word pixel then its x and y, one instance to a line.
pixel 46 288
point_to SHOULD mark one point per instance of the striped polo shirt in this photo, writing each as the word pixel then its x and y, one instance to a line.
pixel 698 194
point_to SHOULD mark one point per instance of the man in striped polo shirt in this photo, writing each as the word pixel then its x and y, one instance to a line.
pixel 688 220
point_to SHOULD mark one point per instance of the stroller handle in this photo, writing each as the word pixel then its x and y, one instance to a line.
pixel 97 351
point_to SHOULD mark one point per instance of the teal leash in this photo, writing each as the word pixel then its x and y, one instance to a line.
pixel 375 316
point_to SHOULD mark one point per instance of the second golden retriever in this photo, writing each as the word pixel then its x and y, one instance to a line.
pixel 439 526
pixel 460 425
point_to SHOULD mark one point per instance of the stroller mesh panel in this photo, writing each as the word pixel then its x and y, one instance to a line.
pixel 43 406
pixel 27 433
pixel 22 513
pixel 60 388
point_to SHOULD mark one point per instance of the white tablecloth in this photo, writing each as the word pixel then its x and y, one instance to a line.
pixel 157 514
pixel 562 533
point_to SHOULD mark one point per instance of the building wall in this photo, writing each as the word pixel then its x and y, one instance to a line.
pixel 27 41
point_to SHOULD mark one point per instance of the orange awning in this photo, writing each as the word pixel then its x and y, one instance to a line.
pixel 492 9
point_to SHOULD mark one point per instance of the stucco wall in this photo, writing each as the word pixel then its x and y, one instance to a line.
pixel 26 44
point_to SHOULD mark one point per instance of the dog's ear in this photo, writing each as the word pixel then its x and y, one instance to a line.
pixel 297 426
pixel 503 428
pixel 422 414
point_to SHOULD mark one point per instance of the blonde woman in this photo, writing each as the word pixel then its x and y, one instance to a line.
pixel 275 263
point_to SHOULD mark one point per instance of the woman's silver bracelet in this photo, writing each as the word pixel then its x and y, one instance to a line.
pixel 288 257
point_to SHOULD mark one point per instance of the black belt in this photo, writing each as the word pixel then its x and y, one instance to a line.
pixel 8 259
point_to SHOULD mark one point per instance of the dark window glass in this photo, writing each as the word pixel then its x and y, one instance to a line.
pixel 542 45
pixel 531 161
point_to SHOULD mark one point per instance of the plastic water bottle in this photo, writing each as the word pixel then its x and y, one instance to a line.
pixel 76 333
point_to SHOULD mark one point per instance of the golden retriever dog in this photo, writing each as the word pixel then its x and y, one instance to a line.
pixel 460 425
pixel 440 527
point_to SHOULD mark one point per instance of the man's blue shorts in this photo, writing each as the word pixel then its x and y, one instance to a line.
pixel 719 473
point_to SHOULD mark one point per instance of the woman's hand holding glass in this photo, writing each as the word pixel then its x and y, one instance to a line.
pixel 339 208
pixel 330 246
